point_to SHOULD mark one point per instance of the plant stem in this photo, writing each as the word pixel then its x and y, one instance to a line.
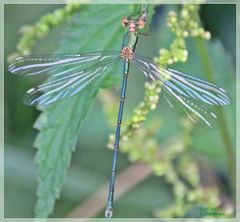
pixel 224 127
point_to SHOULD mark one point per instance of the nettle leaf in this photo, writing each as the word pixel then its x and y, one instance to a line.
pixel 95 28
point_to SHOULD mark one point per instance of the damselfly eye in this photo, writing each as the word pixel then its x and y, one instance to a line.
pixel 141 23
pixel 125 21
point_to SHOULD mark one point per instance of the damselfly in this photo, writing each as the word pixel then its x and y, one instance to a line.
pixel 69 74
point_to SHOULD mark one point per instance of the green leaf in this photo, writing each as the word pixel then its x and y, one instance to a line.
pixel 96 28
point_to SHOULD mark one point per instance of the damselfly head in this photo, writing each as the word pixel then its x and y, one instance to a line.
pixel 134 24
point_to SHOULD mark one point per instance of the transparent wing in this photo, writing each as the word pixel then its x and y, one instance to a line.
pixel 68 74
pixel 196 111
pixel 57 65
pixel 191 93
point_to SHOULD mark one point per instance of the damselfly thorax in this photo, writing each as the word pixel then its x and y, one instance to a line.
pixel 127 53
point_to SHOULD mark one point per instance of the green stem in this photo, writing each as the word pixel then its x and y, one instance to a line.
pixel 224 127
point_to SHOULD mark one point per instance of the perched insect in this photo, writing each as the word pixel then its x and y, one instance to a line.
pixel 69 74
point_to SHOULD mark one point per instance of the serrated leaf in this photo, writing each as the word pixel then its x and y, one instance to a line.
pixel 96 28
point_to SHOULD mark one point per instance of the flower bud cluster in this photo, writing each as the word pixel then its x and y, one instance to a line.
pixel 182 25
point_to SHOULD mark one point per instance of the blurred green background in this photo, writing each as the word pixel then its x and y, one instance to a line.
pixel 91 161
